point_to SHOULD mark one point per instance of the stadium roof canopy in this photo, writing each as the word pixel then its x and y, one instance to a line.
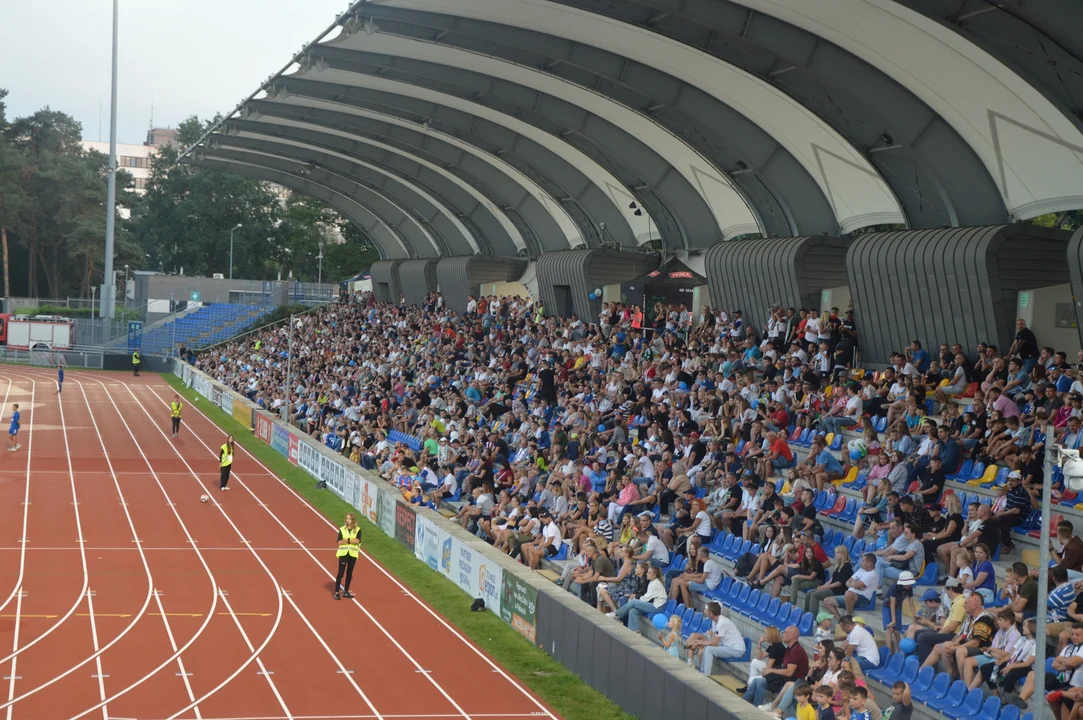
pixel 516 127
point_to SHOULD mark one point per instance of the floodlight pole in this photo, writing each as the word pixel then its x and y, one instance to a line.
pixel 1038 704
pixel 231 249
pixel 108 281
pixel 289 357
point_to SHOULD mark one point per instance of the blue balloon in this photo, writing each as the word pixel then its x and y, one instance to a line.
pixel 601 428
pixel 592 296
pixel 683 386
pixel 660 620
pixel 907 645
pixel 856 455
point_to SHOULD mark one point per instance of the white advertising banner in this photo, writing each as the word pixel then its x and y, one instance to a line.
pixel 226 402
pixel 332 473
pixel 428 539
pixel 475 574
pixel 309 459
pixel 368 498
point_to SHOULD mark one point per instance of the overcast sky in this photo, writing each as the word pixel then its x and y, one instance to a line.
pixel 183 57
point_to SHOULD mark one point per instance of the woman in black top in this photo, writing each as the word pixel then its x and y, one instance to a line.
pixel 952 530
pixel 841 571
pixel 809 574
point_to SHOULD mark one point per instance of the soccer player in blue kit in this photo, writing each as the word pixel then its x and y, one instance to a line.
pixel 13 431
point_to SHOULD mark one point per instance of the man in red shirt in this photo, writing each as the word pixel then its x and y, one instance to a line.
pixel 778 456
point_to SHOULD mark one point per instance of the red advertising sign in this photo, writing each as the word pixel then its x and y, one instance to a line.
pixel 263 427
pixel 294 444
pixel 681 275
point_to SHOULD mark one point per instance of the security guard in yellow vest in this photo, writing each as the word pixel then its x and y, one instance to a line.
pixel 175 408
pixel 225 458
pixel 135 362
pixel 349 547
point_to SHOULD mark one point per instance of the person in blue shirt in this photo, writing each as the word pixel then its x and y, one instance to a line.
pixel 918 357
pixel 821 467
pixel 598 478
pixel 13 431
pixel 59 378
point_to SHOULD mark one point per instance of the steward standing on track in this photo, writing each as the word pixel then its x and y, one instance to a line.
pixel 225 458
pixel 175 408
pixel 349 547
pixel 135 362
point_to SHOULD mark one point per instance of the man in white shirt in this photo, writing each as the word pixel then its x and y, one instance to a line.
pixel 724 640
pixel 654 550
pixel 708 578
pixel 860 642
pixel 860 588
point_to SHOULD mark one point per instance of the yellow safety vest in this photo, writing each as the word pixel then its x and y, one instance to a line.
pixel 351 550
pixel 226 455
pixel 176 408
pixel 135 358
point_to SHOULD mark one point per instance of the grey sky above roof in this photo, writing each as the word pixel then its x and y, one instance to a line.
pixel 196 57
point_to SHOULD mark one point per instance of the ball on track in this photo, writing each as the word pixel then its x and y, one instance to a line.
pixel 204 498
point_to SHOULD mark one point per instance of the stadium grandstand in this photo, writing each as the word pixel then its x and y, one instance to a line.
pixel 832 451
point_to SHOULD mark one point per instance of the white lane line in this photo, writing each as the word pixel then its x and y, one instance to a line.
pixel 323 568
pixel 184 674
pixel 82 550
pixel 98 659
pixel 24 543
pixel 138 547
pixel 93 548
pixel 262 668
pixel 221 593
pixel 341 668
pixel 432 613
pixel 26 502
pixel 202 560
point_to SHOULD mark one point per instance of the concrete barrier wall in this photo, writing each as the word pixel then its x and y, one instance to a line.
pixel 632 671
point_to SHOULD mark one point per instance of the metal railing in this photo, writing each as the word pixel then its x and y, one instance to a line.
pixel 89 358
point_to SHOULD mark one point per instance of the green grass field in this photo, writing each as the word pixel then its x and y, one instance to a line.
pixel 562 690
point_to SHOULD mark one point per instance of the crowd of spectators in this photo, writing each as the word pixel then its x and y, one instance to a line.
pixel 627 442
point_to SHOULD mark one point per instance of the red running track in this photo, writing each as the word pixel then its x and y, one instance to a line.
pixel 123 596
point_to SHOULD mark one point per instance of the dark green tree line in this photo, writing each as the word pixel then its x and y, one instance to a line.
pixel 184 221
pixel 52 207
pixel 53 204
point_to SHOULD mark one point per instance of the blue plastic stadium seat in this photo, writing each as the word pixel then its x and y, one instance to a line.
pixel 893 667
pixel 744 658
pixel 955 697
pixel 936 691
pixel 970 707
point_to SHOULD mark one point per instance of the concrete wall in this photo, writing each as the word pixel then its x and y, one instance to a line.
pixel 1051 313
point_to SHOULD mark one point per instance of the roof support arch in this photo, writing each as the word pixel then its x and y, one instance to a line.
pixel 443 223
pixel 419 240
pixel 497 123
pixel 1032 150
pixel 390 244
pixel 463 175
pixel 858 193
pixel 533 89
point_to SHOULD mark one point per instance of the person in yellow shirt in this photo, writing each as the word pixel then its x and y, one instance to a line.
pixel 225 460
pixel 349 548
pixel 805 709
pixel 175 408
